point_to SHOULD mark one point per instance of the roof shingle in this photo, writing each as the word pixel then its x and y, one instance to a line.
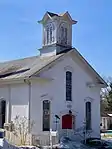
pixel 24 67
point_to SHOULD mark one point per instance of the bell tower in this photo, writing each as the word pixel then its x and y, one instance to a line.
pixel 57 33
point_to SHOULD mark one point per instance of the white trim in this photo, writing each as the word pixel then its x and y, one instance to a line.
pixel 88 99
pixel 73 53
pixel 69 17
pixel 64 112
pixel 68 104
pixel 22 80
pixel 2 98
pixel 12 80
pixel 68 68
pixel 93 85
pixel 46 97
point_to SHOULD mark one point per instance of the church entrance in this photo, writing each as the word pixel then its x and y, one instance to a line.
pixel 68 121
pixel 2 113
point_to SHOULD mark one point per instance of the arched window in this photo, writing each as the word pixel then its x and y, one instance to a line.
pixel 51 34
pixel 68 86
pixel 47 30
pixel 65 35
pixel 62 34
pixel 88 115
pixel 46 115
pixel 2 112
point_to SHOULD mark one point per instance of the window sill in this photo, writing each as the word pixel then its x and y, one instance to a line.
pixel 68 101
pixel 46 130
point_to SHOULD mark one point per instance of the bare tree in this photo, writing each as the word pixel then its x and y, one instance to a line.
pixel 106 96
pixel 22 128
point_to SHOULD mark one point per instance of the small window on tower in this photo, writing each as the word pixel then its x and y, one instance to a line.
pixel 46 115
pixel 62 35
pixel 65 35
pixel 47 35
pixel 51 34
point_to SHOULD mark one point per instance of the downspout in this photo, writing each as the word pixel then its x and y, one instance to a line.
pixel 29 102
pixel 9 105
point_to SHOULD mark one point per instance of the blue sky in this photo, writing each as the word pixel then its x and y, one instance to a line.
pixel 21 35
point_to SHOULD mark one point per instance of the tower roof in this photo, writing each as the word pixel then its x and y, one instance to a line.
pixel 52 15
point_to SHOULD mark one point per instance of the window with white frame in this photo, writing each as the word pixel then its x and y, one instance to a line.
pixel 2 112
pixel 46 115
pixel 68 86
pixel 63 34
pixel 50 33
pixel 88 115
pixel 47 31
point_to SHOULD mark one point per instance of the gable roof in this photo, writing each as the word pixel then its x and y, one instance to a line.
pixel 23 68
pixel 27 67
pixel 90 68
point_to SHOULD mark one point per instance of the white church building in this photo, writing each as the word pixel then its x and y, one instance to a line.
pixel 57 89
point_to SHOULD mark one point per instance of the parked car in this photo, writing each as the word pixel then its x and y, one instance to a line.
pixel 2 133
pixel 98 143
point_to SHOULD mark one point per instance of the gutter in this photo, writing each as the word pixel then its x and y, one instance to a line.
pixel 21 80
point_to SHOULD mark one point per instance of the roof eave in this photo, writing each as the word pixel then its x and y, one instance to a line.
pixel 104 84
pixel 23 80
pixel 12 81
pixel 44 17
pixel 74 22
pixel 69 16
pixel 39 79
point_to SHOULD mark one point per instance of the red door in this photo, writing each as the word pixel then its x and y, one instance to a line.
pixel 67 121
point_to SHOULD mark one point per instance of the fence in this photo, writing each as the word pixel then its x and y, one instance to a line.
pixel 17 140
pixel 42 139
